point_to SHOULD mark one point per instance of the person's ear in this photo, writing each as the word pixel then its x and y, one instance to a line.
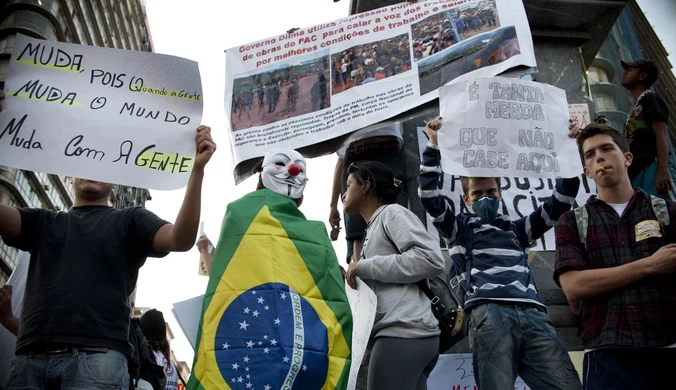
pixel 468 201
pixel 366 188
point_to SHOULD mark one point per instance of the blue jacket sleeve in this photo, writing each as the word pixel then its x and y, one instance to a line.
pixel 436 205
pixel 534 225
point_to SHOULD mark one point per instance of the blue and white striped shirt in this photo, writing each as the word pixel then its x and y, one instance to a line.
pixel 499 267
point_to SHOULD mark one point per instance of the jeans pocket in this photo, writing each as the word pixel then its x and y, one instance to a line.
pixel 17 376
pixel 105 370
pixel 479 316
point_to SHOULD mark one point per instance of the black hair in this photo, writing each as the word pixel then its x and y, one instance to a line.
pixel 161 346
pixel 384 185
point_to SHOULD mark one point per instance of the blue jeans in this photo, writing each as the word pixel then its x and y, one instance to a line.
pixel 509 340
pixel 72 370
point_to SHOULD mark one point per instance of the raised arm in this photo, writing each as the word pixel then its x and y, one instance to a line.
pixel 180 236
pixel 334 216
pixel 436 205
pixel 537 223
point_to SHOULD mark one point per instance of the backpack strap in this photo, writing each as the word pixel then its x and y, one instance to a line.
pixel 582 219
pixel 660 210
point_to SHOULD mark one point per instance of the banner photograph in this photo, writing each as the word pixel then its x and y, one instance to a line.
pixel 318 83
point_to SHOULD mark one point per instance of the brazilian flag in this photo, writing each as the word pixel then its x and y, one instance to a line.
pixel 275 314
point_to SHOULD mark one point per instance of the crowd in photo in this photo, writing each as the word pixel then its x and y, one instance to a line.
pixel 370 62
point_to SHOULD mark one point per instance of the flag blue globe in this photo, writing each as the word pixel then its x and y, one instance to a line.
pixel 270 337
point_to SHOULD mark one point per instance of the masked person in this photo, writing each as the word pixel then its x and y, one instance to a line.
pixel 510 332
pixel 275 314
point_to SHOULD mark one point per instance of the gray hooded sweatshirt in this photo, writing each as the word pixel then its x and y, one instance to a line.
pixel 397 253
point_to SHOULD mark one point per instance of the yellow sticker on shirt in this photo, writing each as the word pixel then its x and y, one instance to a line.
pixel 647 229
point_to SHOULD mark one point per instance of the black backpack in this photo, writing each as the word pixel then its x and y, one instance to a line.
pixel 142 363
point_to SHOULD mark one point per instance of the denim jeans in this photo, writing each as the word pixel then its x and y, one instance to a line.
pixel 509 340
pixel 72 370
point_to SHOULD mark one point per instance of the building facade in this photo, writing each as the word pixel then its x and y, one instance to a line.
pixel 631 38
pixel 120 24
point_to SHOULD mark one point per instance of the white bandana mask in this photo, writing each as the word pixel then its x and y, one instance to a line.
pixel 284 172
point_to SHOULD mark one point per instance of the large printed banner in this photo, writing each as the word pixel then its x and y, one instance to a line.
pixel 118 116
pixel 325 81
pixel 506 127
pixel 520 196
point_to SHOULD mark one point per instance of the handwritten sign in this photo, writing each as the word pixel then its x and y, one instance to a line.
pixel 110 115
pixel 455 372
pixel 506 127
pixel 363 303
pixel 321 82
pixel 520 196
pixel 580 114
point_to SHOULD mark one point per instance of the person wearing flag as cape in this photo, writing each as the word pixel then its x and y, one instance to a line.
pixel 275 313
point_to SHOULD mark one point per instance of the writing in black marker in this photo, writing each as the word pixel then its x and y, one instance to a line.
pixel 125 151
pixel 20 142
pixel 133 109
pixel 165 162
pixel 106 78
pixel 60 59
pixel 73 149
pixel 37 90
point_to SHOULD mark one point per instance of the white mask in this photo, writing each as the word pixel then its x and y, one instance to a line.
pixel 284 172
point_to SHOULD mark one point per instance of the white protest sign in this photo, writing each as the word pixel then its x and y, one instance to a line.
pixel 506 127
pixel 188 314
pixel 321 82
pixel 520 196
pixel 455 372
pixel 118 116
pixel 580 114
pixel 363 302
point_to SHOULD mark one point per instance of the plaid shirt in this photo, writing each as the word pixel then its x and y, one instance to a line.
pixel 641 315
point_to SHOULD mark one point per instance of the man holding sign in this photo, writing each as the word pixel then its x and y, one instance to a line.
pixel 83 268
pixel 510 332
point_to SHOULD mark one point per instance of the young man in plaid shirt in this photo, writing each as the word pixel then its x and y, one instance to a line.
pixel 623 275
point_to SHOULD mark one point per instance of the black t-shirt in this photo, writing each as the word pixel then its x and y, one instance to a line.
pixel 640 133
pixel 83 268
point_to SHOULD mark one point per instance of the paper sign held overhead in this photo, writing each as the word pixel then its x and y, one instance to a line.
pixel 506 127
pixel 322 82
pixel 117 116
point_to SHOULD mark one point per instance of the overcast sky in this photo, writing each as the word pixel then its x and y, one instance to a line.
pixel 201 30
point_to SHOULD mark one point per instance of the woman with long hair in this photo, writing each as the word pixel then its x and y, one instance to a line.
pixel 155 331
pixel 397 253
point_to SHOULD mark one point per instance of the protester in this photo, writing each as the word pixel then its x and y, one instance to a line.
pixel 206 249
pixel 270 265
pixel 397 254
pixel 510 332
pixel 652 169
pixel 381 142
pixel 83 268
pixel 622 273
pixel 318 93
pixel 155 331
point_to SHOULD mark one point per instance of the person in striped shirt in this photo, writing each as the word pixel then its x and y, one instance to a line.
pixel 510 332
